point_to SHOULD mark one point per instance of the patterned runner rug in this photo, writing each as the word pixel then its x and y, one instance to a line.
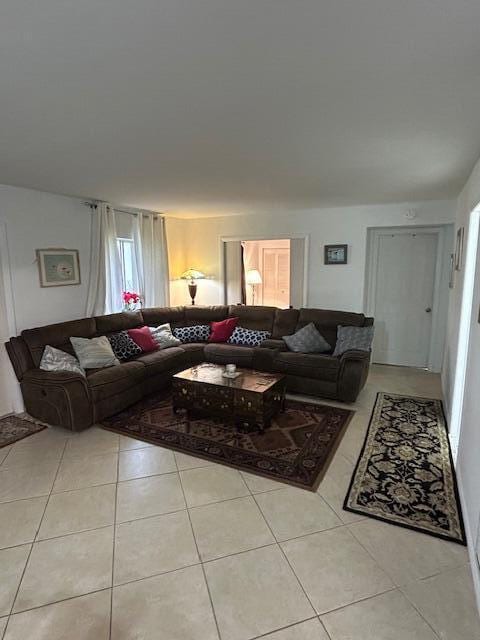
pixel 13 428
pixel 296 449
pixel 404 474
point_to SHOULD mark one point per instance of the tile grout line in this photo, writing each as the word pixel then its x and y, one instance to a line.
pixel 113 541
pixel 299 582
pixel 32 543
pixel 351 528
pixel 284 556
pixel 198 551
pixel 288 626
pixel 414 606
pixel 51 604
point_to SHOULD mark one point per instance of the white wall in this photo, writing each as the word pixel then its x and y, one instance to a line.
pixel 176 231
pixel 334 286
pixel 36 220
pixel 468 445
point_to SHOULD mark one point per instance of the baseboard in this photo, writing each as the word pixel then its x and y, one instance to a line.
pixel 471 540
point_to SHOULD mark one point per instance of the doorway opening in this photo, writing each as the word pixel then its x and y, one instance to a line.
pixel 266 269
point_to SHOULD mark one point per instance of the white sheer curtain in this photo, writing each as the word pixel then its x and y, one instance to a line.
pixel 105 284
pixel 151 259
pixel 250 261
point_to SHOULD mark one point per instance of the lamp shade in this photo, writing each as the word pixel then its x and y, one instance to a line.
pixel 192 274
pixel 253 277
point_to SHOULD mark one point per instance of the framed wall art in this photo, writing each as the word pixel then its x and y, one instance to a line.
pixel 336 254
pixel 58 267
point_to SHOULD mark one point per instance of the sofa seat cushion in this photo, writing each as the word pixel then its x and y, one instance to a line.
pixel 108 382
pixel 193 347
pixel 274 343
pixel 162 361
pixel 306 365
pixel 229 354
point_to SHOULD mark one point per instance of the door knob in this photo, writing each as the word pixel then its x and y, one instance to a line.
pixel 428 310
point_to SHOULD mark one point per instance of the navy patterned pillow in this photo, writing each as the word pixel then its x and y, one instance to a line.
pixel 123 346
pixel 195 333
pixel 248 337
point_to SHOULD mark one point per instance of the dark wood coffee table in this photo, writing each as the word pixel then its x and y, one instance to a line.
pixel 250 401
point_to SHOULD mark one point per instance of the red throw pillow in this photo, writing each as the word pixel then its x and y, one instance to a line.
pixel 221 331
pixel 143 337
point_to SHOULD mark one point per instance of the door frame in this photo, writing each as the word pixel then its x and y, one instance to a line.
pixel 6 275
pixel 279 236
pixel 435 350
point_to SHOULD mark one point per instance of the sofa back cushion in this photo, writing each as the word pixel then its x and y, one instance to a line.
pixel 57 335
pixel 155 316
pixel 285 322
pixel 205 315
pixel 327 321
pixel 94 353
pixel 118 322
pixel 256 318
pixel 123 346
pixel 142 336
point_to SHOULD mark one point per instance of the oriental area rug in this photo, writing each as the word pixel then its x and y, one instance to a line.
pixel 296 449
pixel 13 428
pixel 405 474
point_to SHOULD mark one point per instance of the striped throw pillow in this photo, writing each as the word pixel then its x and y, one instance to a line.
pixel 94 353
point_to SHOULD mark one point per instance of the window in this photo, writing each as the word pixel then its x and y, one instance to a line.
pixel 127 261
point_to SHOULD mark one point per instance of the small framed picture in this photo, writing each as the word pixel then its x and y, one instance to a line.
pixel 336 253
pixel 459 250
pixel 58 267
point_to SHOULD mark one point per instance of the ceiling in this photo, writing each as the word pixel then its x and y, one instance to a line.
pixel 212 107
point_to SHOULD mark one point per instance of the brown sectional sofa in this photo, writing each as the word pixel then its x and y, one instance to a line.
pixel 76 402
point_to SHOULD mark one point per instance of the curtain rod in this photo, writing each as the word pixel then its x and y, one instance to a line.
pixel 93 205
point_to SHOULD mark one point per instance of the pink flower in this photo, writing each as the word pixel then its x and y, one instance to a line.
pixel 130 296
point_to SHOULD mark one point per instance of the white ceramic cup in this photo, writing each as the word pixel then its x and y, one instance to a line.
pixel 230 369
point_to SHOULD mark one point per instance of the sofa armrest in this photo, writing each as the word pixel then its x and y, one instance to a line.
pixel 355 354
pixel 19 355
pixel 60 398
pixel 353 373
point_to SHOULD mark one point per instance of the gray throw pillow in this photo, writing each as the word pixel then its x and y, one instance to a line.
pixel 358 338
pixel 164 337
pixel 94 353
pixel 58 360
pixel 307 340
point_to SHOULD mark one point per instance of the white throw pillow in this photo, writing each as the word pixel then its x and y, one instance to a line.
pixel 58 360
pixel 94 353
pixel 164 337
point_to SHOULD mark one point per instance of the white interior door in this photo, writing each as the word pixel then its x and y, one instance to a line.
pixel 276 277
pixel 404 277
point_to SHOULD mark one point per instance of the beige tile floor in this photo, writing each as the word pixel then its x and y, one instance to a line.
pixel 105 537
